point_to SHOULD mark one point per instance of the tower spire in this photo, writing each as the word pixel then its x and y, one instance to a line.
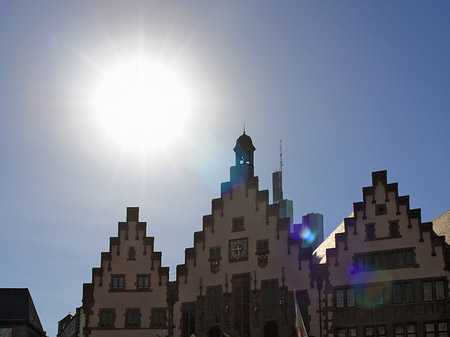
pixel 244 127
pixel 281 155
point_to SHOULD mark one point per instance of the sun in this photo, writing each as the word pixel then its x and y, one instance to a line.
pixel 141 105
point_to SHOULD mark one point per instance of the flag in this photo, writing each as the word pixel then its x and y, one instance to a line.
pixel 299 325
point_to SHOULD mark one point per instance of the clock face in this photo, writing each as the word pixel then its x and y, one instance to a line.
pixel 238 250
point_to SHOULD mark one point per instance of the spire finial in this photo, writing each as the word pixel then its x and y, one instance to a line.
pixel 281 155
pixel 244 127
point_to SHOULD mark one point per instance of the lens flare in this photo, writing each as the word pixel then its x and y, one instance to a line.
pixel 141 104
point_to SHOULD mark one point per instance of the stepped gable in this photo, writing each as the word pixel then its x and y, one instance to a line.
pixel 261 201
pixel 378 263
pixel 245 246
pixel 381 206
pixel 130 276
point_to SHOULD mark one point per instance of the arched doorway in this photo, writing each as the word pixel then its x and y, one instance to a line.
pixel 214 332
pixel 271 329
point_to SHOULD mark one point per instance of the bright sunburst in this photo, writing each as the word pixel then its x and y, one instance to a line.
pixel 141 105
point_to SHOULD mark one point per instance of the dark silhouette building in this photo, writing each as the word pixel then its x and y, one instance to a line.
pixel 18 315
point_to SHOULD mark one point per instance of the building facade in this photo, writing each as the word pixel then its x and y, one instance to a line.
pixel 382 272
pixel 72 325
pixel 18 315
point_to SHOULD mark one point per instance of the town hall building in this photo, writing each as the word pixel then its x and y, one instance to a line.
pixel 382 272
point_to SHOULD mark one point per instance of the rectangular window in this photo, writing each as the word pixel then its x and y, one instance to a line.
pixel 352 332
pixel 379 295
pixel 411 330
pixel 341 333
pixel 360 262
pixel 399 331
pixel 408 257
pixel 270 295
pixel 238 224
pixel 376 261
pixel 409 292
pixel 397 293
pixel 117 282
pixel 400 259
pixel 107 317
pixel 394 229
pixel 188 319
pixel 159 317
pixel 392 259
pixel 427 291
pixel 440 291
pixel 133 318
pixel 367 262
pixel 368 296
pixel 370 232
pixel 443 329
pixel 214 296
pixel 5 332
pixel 381 331
pixel 339 298
pixel 214 253
pixel 350 297
pixel 131 254
pixel 430 330
pixel 262 247
pixel 143 282
pixel 370 331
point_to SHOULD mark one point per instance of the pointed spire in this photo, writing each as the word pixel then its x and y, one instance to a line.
pixel 281 155
pixel 244 127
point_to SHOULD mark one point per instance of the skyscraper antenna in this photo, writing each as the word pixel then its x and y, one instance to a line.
pixel 281 155
pixel 244 127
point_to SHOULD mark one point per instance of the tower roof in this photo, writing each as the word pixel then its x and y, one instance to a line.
pixel 245 143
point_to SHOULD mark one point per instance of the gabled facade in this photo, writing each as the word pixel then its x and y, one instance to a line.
pixel 127 296
pixel 240 275
pixel 388 273
pixel 382 272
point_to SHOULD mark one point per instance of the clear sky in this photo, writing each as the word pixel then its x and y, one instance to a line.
pixel 350 86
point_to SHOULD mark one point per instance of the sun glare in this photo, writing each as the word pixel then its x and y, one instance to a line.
pixel 141 105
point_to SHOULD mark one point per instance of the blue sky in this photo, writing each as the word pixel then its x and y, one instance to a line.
pixel 350 86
